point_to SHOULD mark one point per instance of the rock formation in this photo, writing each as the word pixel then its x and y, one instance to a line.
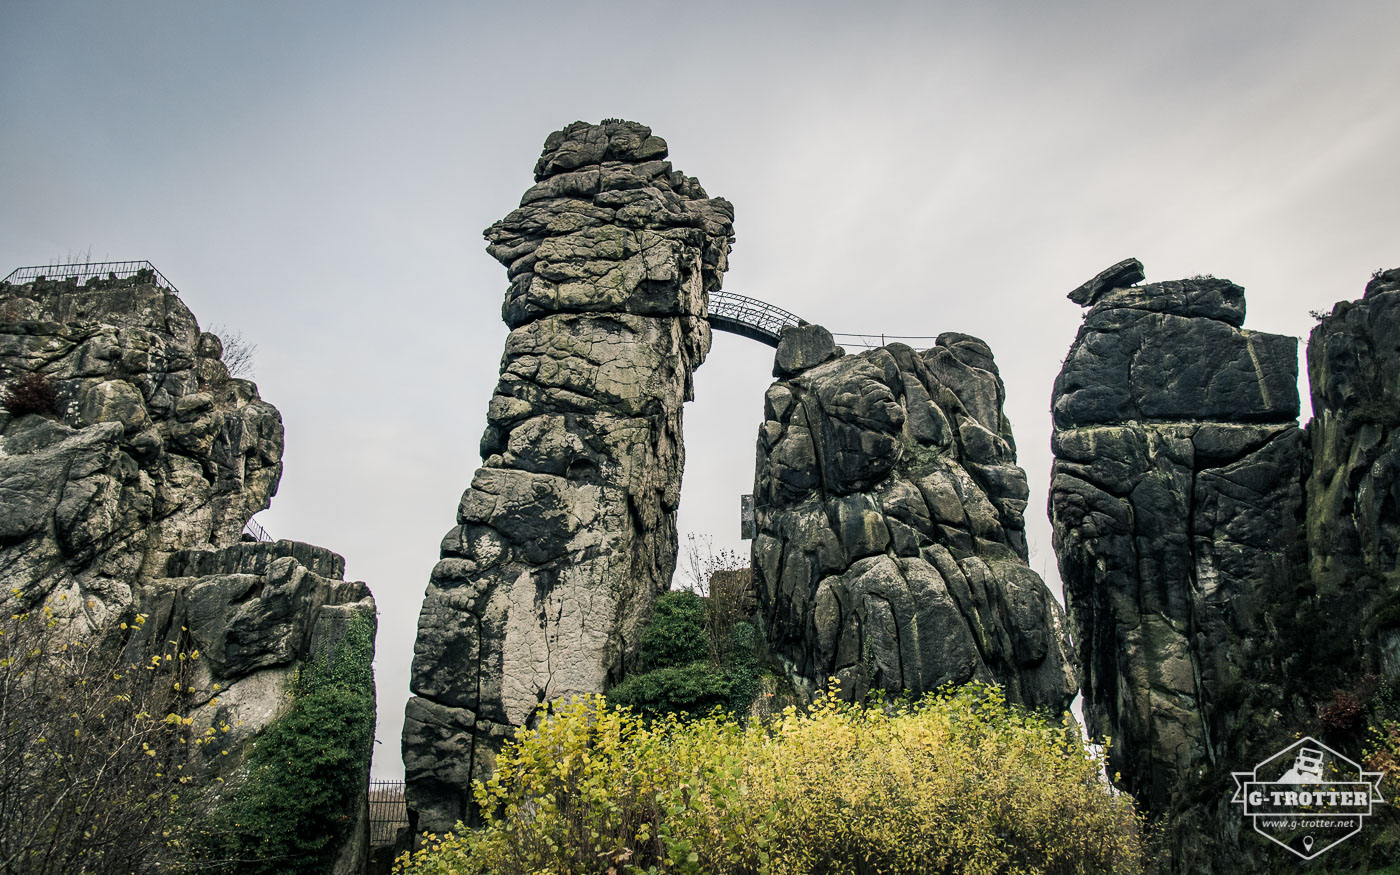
pixel 568 529
pixel 891 548
pixel 131 495
pixel 1353 489
pixel 1188 511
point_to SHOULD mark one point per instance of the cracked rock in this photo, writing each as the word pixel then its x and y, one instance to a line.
pixel 568 530
pixel 891 550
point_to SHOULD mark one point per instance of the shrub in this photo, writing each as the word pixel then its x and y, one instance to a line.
pixel 97 772
pixel 960 782
pixel 681 669
pixel 31 393
pixel 1343 713
pixel 306 772
pixel 691 690
pixel 676 634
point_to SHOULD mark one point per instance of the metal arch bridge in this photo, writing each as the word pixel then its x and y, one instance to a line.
pixel 749 317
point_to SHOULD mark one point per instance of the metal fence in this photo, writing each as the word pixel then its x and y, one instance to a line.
pixel 749 317
pixel 761 321
pixel 874 341
pixel 388 813
pixel 255 531
pixel 81 272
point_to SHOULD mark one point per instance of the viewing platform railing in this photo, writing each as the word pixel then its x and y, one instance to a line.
pixel 81 272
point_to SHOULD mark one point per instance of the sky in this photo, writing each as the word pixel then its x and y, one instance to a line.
pixel 316 176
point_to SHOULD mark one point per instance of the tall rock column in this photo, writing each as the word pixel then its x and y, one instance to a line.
pixel 891 547
pixel 1177 503
pixel 568 530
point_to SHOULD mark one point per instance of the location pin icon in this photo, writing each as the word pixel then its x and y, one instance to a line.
pixel 1307 843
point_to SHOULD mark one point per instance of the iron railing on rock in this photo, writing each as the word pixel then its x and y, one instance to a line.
pixel 868 341
pixel 81 272
pixel 255 531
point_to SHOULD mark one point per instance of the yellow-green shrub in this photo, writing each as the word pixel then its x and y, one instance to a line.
pixel 961 782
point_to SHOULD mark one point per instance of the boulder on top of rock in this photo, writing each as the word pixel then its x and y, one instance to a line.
pixel 802 347
pixel 1125 273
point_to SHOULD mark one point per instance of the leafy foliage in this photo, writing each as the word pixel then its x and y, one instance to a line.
pixel 98 771
pixel 676 634
pixel 960 782
pixel 680 667
pixel 31 393
pixel 693 689
pixel 306 772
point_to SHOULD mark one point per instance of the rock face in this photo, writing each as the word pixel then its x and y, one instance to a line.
pixel 1176 497
pixel 1228 574
pixel 131 496
pixel 154 449
pixel 1353 489
pixel 568 529
pixel 891 548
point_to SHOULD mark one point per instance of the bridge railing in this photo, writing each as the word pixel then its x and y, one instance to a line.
pixel 254 530
pixel 750 317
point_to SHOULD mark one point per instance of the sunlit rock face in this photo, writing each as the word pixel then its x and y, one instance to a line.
pixel 153 447
pixel 130 495
pixel 568 529
pixel 891 548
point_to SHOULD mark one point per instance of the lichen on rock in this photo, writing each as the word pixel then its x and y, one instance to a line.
pixel 891 549
pixel 567 532
pixel 130 497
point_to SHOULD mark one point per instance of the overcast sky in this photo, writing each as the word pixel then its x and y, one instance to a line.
pixel 317 175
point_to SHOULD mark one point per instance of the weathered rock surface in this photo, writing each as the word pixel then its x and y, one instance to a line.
pixel 891 548
pixel 1176 497
pixel 132 498
pixel 568 529
pixel 1353 490
pixel 155 448
pixel 1189 510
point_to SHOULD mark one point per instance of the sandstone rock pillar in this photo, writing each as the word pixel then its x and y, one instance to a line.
pixel 1177 503
pixel 891 548
pixel 568 529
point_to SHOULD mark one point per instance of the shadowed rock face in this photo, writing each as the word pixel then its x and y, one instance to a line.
pixel 568 529
pixel 131 498
pixel 1176 498
pixel 891 549
pixel 1227 573
pixel 1354 490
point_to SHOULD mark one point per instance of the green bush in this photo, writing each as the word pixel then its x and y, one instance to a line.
pixel 677 671
pixel 307 770
pixel 694 689
pixel 676 634
pixel 958 783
